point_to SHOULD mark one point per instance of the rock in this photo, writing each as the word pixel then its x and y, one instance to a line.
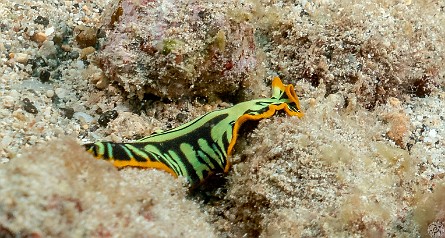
pixel 60 92
pixel 67 112
pixel 86 51
pixel 8 101
pixel 21 58
pixel 48 50
pixel 39 37
pixel 180 48
pixel 44 76
pixel 66 48
pixel 41 20
pixel 50 93
pixel 49 31
pixel 106 117
pixel 87 36
pixel 29 107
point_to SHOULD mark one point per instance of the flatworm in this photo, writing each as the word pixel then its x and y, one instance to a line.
pixel 200 147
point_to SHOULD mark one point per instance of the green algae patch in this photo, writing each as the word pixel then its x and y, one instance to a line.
pixel 170 45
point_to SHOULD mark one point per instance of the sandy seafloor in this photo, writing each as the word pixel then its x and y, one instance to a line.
pixel 366 160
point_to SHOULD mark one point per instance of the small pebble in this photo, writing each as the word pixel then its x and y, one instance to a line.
pixel 103 83
pixel 21 58
pixel 49 31
pixel 395 102
pixel 312 102
pixel 106 117
pixel 39 37
pixel 41 20
pixel 74 55
pixel 29 107
pixel 207 108
pixel 48 50
pixel 83 117
pixel 67 112
pixel 86 9
pixel 87 37
pixel 47 113
pixel 4 113
pixel 86 51
pixel 100 80
pixel 115 138
pixel 4 160
pixel 44 76
pixel 60 92
pixel 14 93
pixel 66 48
pixel 80 64
pixel 50 93
pixel 58 38
pixel 431 137
pixel 8 101
pixel 181 117
pixel 19 115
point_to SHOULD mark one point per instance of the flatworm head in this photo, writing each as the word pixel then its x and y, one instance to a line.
pixel 283 98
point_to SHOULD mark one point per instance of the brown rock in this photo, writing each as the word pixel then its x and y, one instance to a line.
pixel 39 37
pixel 66 48
pixel 399 126
pixel 20 57
pixel 87 36
pixel 86 51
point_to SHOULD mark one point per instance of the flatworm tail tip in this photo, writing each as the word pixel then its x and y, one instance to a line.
pixel 90 148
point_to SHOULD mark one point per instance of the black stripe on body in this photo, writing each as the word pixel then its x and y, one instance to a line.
pixel 191 138
pixel 137 152
pixel 263 105
pixel 191 124
pixel 225 141
pixel 119 152
pixel 204 155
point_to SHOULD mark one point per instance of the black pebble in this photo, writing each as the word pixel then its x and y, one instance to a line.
pixel 58 39
pixel 29 107
pixel 38 62
pixel 67 112
pixel 41 20
pixel 74 54
pixel 106 117
pixel 44 76
pixel 181 117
